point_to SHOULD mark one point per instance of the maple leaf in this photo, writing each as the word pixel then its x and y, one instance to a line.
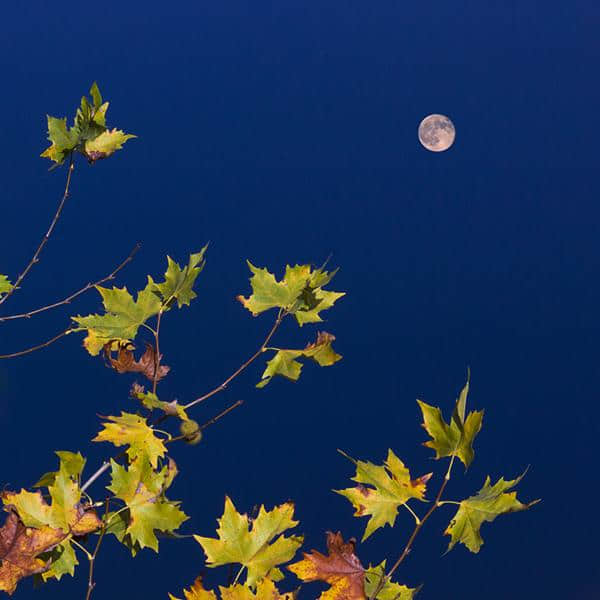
pixel 489 502
pixel 20 547
pixel 88 135
pixel 252 547
pixel 126 363
pixel 341 569
pixel 196 592
pixel 105 144
pixel 390 590
pixel 391 487
pixel 143 491
pixel 62 140
pixel 179 282
pixel 151 401
pixel 5 285
pixel 455 438
pixel 299 292
pixel 265 590
pixel 133 431
pixel 123 317
pixel 65 514
pixel 284 362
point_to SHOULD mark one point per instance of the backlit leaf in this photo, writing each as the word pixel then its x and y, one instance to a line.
pixel 5 285
pixel 341 569
pixel 490 502
pixel 179 282
pixel 143 491
pixel 124 316
pixel 105 144
pixel 391 590
pixel 284 362
pixel 455 438
pixel 133 431
pixel 299 292
pixel 390 486
pixel 259 547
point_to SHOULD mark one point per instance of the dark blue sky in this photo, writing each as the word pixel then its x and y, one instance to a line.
pixel 282 132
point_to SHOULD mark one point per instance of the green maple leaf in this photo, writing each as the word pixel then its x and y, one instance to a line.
pixel 123 317
pixel 88 135
pixel 390 487
pixel 133 431
pixel 390 591
pixel 489 502
pixel 252 548
pixel 142 489
pixel 455 438
pixel 179 282
pixel 105 144
pixel 299 292
pixel 5 285
pixel 62 140
pixel 65 512
pixel 284 362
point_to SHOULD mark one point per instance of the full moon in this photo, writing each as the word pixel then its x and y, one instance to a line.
pixel 437 133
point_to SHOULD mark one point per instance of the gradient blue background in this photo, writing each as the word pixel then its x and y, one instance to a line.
pixel 281 132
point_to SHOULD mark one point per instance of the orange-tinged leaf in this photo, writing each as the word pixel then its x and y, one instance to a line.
pixel 19 548
pixel 196 592
pixel 341 569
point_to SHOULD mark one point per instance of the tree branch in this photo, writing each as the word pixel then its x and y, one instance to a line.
pixel 46 237
pixel 70 298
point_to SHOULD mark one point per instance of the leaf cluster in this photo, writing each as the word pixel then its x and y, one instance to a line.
pixel 89 135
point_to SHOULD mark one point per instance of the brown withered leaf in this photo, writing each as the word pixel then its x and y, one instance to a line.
pixel 341 569
pixel 125 361
pixel 19 547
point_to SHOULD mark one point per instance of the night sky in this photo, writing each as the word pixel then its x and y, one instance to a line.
pixel 284 132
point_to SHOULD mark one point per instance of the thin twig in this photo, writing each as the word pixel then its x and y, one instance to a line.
pixel 221 387
pixel 70 298
pixel 411 539
pixel 38 347
pixel 220 415
pixel 105 466
pixel 46 237
pixel 91 584
pixel 156 351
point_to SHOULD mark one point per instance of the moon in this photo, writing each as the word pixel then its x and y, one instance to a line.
pixel 436 133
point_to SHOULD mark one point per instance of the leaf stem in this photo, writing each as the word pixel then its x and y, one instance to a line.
pixel 415 532
pixel 221 387
pixel 156 351
pixel 413 513
pixel 47 235
pixel 69 299
pixel 92 558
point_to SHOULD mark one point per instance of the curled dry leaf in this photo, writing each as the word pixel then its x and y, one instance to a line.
pixel 125 361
